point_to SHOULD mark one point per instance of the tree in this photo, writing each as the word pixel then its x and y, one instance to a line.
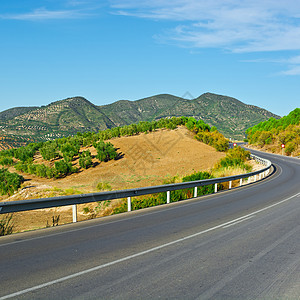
pixel 85 160
pixel 63 168
pixel 49 151
pixel 105 151
pixel 69 150
pixel 9 182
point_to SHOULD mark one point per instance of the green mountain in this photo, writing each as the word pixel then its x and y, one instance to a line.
pixel 231 116
pixel 72 115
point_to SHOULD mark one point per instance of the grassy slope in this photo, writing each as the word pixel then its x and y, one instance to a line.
pixel 148 159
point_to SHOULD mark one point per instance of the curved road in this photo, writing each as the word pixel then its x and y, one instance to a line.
pixel 241 244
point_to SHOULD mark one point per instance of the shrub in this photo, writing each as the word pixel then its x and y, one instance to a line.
pixel 9 182
pixel 49 151
pixel 290 147
pixel 63 168
pixel 214 139
pixel 6 161
pixel 235 157
pixel 85 160
pixel 69 150
pixel 105 151
pixel 177 195
pixel 104 186
pixel 203 190
pixel 25 153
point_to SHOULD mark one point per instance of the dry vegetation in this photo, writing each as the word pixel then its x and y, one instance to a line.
pixel 146 160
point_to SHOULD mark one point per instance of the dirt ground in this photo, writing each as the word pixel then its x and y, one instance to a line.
pixel 146 160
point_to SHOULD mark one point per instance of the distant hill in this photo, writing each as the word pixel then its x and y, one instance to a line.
pixel 69 116
pixel 14 112
pixel 231 116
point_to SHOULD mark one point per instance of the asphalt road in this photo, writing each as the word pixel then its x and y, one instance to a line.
pixel 241 244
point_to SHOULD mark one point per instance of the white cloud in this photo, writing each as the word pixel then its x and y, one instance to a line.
pixel 293 66
pixel 242 26
pixel 44 14
pixel 62 9
pixel 239 26
pixel 292 71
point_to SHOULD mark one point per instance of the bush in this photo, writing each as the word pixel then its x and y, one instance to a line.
pixel 63 168
pixel 49 151
pixel 203 190
pixel 104 186
pixel 25 153
pixel 6 161
pixel 290 147
pixel 105 151
pixel 235 157
pixel 214 139
pixel 9 182
pixel 177 195
pixel 69 150
pixel 85 160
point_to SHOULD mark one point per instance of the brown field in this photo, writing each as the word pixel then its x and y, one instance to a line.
pixel 147 160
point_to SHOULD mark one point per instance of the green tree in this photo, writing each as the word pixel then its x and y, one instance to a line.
pixel 85 160
pixel 9 182
pixel 49 151
pixel 6 161
pixel 105 151
pixel 63 168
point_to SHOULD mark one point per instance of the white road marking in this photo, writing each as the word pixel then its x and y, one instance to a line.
pixel 47 284
pixel 232 224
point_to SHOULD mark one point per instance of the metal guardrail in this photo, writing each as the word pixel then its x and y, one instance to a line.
pixel 24 205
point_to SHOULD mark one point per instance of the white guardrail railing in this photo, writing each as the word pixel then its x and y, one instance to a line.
pixel 24 205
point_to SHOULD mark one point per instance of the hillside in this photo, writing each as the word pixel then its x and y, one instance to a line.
pixel 148 159
pixel 72 115
pixel 231 116
pixel 271 134
pixel 143 154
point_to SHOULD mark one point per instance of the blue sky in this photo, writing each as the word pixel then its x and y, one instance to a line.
pixel 111 50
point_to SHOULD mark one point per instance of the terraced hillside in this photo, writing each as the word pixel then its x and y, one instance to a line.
pixel 67 117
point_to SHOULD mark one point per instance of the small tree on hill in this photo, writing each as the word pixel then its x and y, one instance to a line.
pixel 85 160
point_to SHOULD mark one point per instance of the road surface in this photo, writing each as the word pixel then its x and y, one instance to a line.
pixel 239 244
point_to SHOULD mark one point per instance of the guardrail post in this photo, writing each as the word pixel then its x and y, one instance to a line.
pixel 241 181
pixel 168 197
pixel 254 178
pixel 74 213
pixel 129 204
pixel 195 192
pixel 216 187
pixel 230 184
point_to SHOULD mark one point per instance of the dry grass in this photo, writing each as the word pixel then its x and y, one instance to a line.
pixel 225 172
pixel 148 159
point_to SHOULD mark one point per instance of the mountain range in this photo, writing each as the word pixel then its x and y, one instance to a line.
pixel 69 116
